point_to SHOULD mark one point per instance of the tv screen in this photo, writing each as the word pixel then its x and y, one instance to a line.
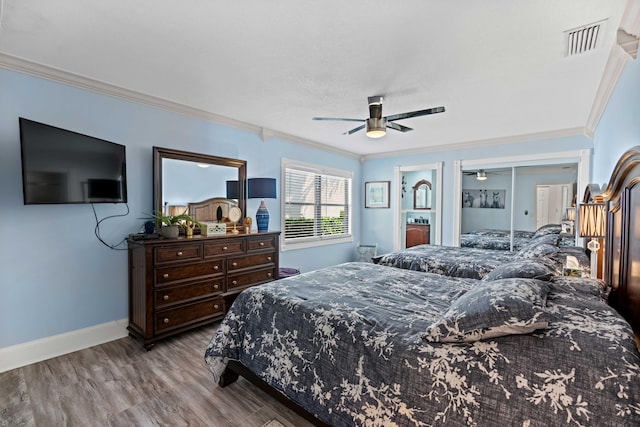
pixel 61 166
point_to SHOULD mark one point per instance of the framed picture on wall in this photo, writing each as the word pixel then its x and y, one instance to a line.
pixel 376 194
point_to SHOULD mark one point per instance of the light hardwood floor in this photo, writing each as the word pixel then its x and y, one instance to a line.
pixel 120 384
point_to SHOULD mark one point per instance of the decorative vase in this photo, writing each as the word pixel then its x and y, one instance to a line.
pixel 262 217
pixel 170 231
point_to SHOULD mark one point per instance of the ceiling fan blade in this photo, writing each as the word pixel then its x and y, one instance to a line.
pixel 415 114
pixel 338 118
pixel 354 130
pixel 399 127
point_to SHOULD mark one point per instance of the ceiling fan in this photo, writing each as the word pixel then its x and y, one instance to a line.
pixel 480 174
pixel 376 124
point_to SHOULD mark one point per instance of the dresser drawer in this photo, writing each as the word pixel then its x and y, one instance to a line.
pixel 175 294
pixel 238 263
pixel 165 254
pixel 224 247
pixel 190 313
pixel 267 242
pixel 250 278
pixel 189 271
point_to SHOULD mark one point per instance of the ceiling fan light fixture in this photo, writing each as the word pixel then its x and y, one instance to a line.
pixel 481 175
pixel 376 128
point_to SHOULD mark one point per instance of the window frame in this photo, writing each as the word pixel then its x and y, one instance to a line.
pixel 315 241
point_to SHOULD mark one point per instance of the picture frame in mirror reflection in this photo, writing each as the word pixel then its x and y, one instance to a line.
pixel 484 199
pixel 376 194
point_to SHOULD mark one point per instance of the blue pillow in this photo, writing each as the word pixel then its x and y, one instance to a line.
pixel 527 268
pixel 493 309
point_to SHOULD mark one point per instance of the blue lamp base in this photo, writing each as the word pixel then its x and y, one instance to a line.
pixel 262 217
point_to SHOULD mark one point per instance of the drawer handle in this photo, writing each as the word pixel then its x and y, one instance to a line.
pixel 234 264
pixel 269 274
pixel 224 248
pixel 179 253
pixel 166 320
pixel 216 306
pixel 166 297
pixel 261 243
pixel 165 275
pixel 234 282
pixel 268 258
pixel 216 268
pixel 216 286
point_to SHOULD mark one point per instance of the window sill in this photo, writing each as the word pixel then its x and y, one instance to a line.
pixel 314 243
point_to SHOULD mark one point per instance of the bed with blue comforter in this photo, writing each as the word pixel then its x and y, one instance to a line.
pixel 475 263
pixel 363 344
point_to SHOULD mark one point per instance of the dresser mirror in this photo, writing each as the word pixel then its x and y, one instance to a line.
pixel 181 178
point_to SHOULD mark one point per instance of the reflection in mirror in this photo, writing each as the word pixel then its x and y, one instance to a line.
pixel 540 195
pixel 182 178
pixel 422 195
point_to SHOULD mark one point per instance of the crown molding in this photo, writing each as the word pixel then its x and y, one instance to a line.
pixel 70 79
pixel 482 143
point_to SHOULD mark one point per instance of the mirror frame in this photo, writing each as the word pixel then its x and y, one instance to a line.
pixel 416 188
pixel 167 153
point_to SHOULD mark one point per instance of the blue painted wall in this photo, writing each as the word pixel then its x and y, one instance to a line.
pixel 55 276
pixel 619 127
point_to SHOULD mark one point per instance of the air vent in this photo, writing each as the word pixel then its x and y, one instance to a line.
pixel 583 39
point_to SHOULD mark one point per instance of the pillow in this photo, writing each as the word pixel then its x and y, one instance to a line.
pixel 536 251
pixel 527 268
pixel 548 229
pixel 548 239
pixel 493 309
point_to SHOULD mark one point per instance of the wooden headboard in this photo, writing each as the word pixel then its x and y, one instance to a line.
pixel 622 242
pixel 207 210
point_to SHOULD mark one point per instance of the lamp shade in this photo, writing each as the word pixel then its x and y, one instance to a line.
pixel 262 188
pixel 571 214
pixel 592 220
pixel 232 189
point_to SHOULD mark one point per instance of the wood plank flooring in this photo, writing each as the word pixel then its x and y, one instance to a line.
pixel 120 384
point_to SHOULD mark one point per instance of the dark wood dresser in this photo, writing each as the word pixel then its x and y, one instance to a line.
pixel 417 234
pixel 179 284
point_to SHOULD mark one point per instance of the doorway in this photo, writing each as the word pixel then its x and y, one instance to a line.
pixel 417 205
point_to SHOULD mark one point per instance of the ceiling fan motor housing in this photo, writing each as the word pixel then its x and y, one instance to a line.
pixel 376 127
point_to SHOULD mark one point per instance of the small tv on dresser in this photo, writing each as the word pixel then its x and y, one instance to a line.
pixel 61 166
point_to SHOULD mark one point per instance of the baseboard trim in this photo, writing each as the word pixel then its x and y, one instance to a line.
pixel 38 350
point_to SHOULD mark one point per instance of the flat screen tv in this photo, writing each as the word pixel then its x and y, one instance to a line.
pixel 61 166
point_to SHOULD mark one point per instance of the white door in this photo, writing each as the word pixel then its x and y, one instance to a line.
pixel 542 205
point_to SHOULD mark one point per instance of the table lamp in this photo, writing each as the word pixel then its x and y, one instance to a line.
pixel 262 188
pixel 592 221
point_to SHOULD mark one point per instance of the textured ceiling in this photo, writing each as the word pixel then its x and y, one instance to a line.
pixel 497 66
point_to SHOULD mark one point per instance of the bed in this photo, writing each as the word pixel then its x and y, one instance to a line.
pixel 476 263
pixel 365 344
pixel 368 354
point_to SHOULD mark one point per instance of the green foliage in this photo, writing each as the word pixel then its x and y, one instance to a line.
pixel 162 219
pixel 304 227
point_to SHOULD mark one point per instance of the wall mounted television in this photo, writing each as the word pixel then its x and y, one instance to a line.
pixel 61 166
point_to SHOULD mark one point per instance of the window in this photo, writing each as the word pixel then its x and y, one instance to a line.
pixel 316 205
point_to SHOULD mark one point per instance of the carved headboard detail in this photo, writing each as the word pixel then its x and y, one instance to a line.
pixel 622 242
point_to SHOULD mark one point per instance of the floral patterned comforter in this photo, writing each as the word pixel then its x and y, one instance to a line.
pixel 499 243
pixel 472 263
pixel 347 343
